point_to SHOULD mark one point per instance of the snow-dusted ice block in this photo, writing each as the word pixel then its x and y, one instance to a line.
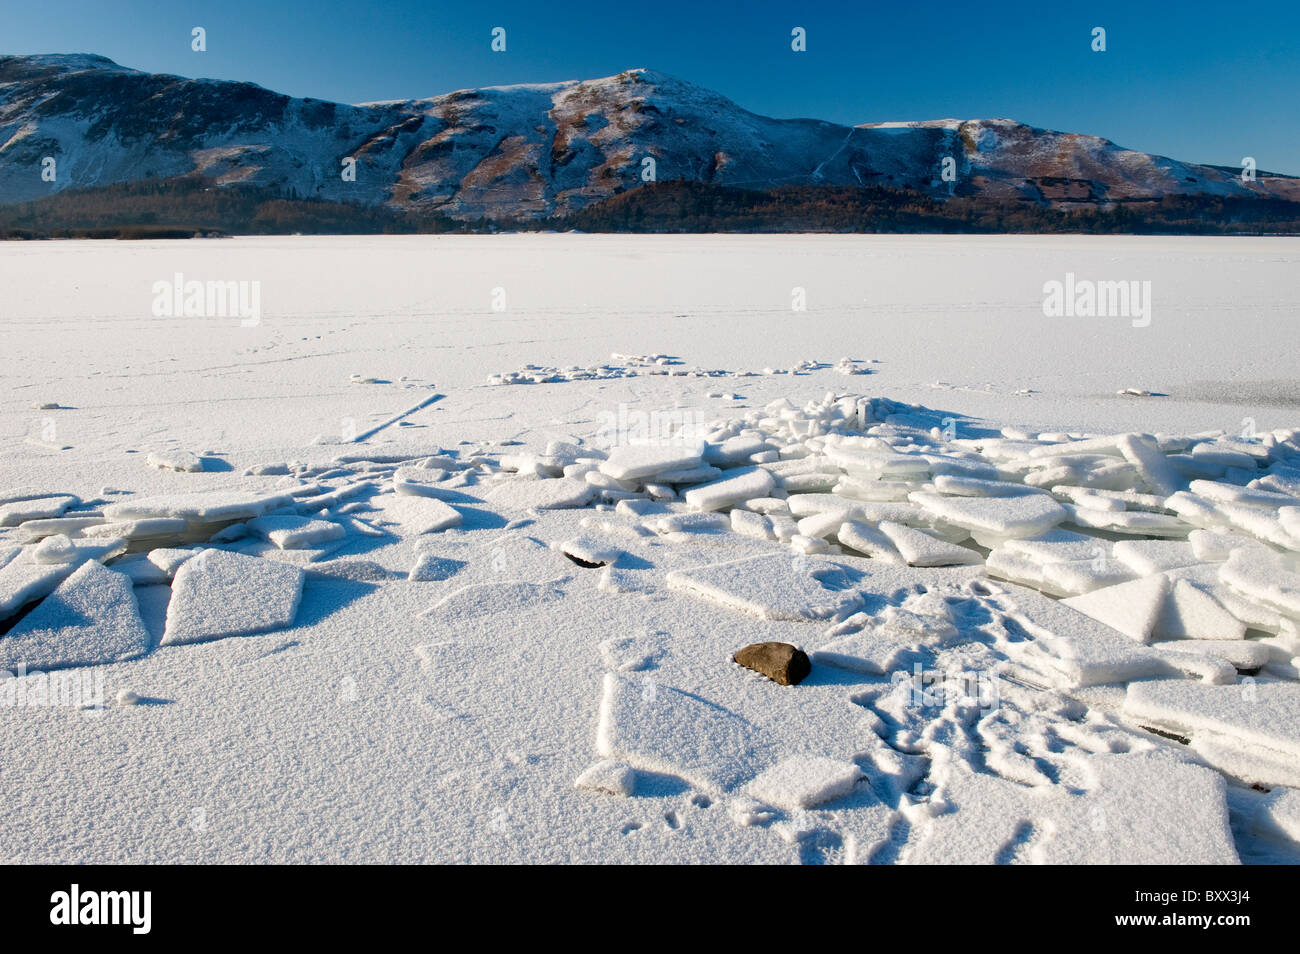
pixel 1263 716
pixel 1151 807
pixel 294 533
pixel 608 778
pixel 1145 557
pixel 1075 649
pixel 1263 576
pixel 417 515
pixel 418 482
pixel 41 508
pixel 661 729
pixel 143 528
pixel 1191 613
pixel 212 505
pixel 183 461
pixel 734 451
pixel 1143 808
pixel 975 487
pixel 1075 577
pixel 690 475
pixel 169 559
pixel 630 461
pixel 1129 522
pixel 217 594
pixel 750 524
pixel 883 462
pixel 1023 516
pixel 1278 815
pixel 430 568
pixel 1059 546
pixel 557 493
pixel 919 548
pixel 867 539
pixel 1241 653
pixel 737 485
pixel 33 572
pixel 803 782
pixel 1212 546
pixel 140 571
pixel 1160 476
pixel 91 618
pixel 591 548
pixel 806 505
pixel 776 587
pixel 1131 608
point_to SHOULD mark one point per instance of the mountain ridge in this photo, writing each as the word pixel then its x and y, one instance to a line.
pixel 539 150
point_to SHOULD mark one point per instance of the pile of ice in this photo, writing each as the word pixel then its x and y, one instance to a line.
pixel 1124 587
pixel 1131 556
pixel 633 366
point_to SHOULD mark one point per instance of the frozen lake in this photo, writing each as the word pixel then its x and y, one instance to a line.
pixel 362 605
pixel 954 322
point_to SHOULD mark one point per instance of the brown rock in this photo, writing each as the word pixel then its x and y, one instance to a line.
pixel 780 662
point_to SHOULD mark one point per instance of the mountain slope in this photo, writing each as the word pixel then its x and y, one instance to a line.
pixel 534 151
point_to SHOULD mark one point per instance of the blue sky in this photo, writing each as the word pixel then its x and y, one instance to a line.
pixel 1198 81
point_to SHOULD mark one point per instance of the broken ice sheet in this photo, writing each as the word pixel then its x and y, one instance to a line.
pixel 92 617
pixel 775 587
pixel 217 594
pixel 661 729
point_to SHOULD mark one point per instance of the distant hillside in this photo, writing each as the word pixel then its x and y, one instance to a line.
pixel 192 206
pixel 538 153
pixel 698 207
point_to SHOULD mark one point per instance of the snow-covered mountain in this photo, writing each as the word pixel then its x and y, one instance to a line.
pixel 531 150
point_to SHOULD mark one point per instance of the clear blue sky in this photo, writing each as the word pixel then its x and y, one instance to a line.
pixel 1200 81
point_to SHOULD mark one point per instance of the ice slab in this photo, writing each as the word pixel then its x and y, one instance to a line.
pixel 91 618
pixel 661 729
pixel 40 508
pixel 1159 475
pixel 418 515
pixel 803 782
pixel 1243 654
pixel 218 594
pixel 290 532
pixel 1264 577
pixel 1075 650
pixel 556 493
pixel 631 461
pixel 1145 557
pixel 735 486
pixel 1191 613
pixel 870 540
pixel 212 505
pixel 919 548
pixel 1131 608
pixel 179 460
pixel 776 587
pixel 1022 516
pixel 1259 715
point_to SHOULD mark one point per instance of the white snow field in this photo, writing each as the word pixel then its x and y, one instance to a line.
pixel 388 575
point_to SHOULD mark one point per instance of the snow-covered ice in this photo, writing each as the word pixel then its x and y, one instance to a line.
pixel 480 621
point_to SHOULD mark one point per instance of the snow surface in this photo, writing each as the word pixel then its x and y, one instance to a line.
pixel 498 625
